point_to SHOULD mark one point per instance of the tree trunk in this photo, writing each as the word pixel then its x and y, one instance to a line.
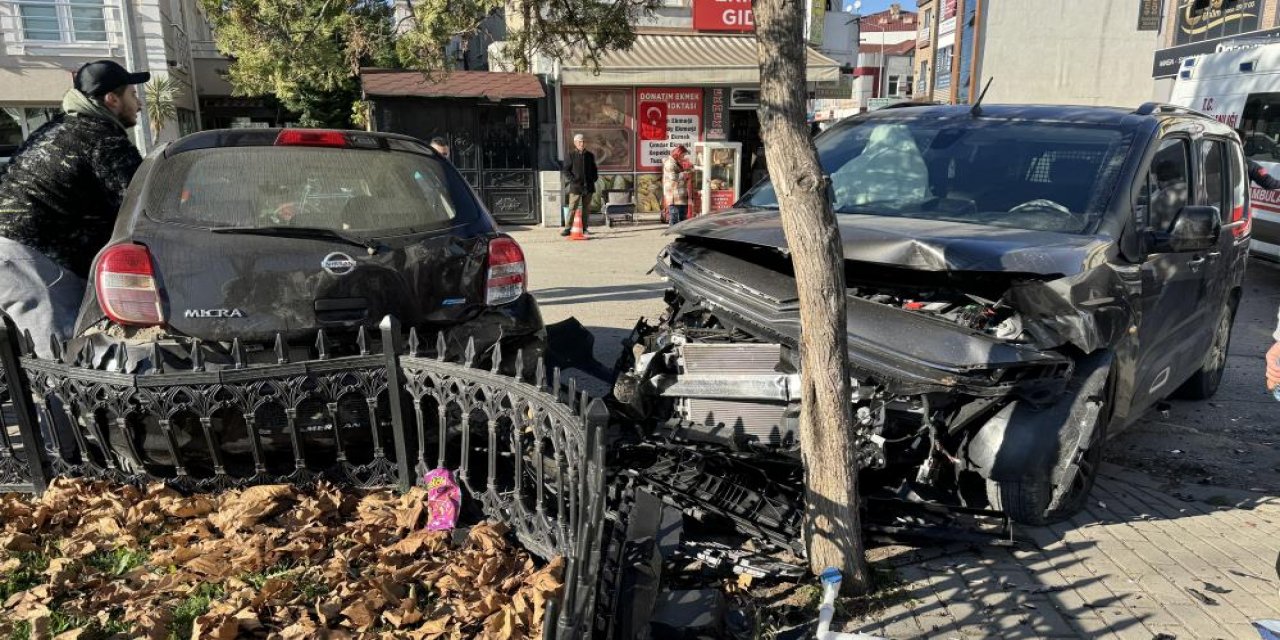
pixel 832 528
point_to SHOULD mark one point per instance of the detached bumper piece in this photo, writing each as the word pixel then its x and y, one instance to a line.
pixel 682 521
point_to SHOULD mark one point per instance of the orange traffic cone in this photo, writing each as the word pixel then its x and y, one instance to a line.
pixel 575 232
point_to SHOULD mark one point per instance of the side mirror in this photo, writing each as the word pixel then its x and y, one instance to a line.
pixel 1196 228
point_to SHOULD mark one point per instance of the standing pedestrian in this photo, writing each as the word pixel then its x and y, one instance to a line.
pixel 59 198
pixel 441 146
pixel 580 175
pixel 675 184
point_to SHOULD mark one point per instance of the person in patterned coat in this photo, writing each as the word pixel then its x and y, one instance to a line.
pixel 59 197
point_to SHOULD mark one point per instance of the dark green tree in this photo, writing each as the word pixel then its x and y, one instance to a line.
pixel 306 53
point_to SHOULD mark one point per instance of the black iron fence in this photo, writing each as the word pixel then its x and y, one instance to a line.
pixel 527 449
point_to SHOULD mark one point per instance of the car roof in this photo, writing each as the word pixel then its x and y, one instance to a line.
pixel 1142 117
pixel 224 138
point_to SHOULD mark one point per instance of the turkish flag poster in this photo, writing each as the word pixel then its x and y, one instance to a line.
pixel 667 117
pixel 653 120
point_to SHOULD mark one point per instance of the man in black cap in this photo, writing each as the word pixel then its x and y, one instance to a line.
pixel 59 197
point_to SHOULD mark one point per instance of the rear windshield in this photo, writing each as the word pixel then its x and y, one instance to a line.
pixel 360 191
pixel 1049 177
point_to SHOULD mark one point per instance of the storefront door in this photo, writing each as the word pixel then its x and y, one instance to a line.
pixel 492 145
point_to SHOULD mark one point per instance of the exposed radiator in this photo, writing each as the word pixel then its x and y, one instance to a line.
pixel 758 420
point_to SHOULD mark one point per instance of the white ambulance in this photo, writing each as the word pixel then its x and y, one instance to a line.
pixel 1240 85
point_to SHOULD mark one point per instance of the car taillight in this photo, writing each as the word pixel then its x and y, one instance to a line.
pixel 311 138
pixel 507 279
pixel 126 285
pixel 1238 214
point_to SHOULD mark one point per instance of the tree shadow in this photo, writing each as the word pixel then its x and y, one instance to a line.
pixel 1108 569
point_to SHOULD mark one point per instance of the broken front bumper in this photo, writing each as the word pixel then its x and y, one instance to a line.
pixel 907 353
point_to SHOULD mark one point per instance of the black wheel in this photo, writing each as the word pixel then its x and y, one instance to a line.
pixel 1205 382
pixel 1028 501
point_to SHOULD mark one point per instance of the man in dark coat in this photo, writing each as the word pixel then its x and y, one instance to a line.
pixel 580 175
pixel 59 197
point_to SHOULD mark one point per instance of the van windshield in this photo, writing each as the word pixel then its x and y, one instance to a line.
pixel 1040 176
pixel 359 191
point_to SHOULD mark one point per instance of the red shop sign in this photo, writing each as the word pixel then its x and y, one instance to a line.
pixel 723 15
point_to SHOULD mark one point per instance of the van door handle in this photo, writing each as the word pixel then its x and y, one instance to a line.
pixel 1197 262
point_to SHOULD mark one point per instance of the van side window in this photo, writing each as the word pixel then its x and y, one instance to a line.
pixel 1260 127
pixel 1168 184
pixel 1239 186
pixel 1216 188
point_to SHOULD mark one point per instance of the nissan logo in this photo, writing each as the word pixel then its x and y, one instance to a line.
pixel 338 264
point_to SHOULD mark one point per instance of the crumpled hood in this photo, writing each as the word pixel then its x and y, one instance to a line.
pixel 929 245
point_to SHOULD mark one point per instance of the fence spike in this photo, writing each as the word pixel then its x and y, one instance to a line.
pixel 55 347
pixel 362 341
pixel 122 357
pixel 322 349
pixel 237 352
pixel 28 345
pixel 520 365
pixel 157 358
pixel 197 357
pixel 441 347
pixel 86 355
pixel 415 343
pixel 497 357
pixel 282 356
pixel 540 374
pixel 469 356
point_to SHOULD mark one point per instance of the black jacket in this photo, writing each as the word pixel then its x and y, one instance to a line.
pixel 1258 174
pixel 580 171
pixel 62 190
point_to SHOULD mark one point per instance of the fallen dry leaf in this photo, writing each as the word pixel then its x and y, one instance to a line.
pixel 273 561
pixel 215 627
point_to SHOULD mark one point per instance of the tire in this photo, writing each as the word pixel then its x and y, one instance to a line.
pixel 1204 383
pixel 1027 501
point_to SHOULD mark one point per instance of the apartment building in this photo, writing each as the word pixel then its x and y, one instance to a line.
pixel 43 42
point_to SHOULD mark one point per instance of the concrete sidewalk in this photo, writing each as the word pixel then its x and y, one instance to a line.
pixel 1143 561
pixel 1147 559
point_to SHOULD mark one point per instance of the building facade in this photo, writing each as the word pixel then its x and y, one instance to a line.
pixel 692 76
pixel 1193 27
pixel 886 58
pixel 1089 52
pixel 43 42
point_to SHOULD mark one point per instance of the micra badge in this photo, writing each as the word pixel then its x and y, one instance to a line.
pixel 213 313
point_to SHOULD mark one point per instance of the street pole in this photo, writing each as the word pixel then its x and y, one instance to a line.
pixel 882 62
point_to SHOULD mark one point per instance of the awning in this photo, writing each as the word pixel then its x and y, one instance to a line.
pixel 688 59
pixel 493 85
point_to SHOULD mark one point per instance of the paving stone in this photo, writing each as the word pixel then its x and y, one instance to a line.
pixel 1173 631
pixel 904 627
pixel 1090 626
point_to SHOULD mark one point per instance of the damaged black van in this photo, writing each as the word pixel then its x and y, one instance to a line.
pixel 1022 282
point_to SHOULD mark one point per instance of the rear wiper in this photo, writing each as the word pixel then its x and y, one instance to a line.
pixel 304 232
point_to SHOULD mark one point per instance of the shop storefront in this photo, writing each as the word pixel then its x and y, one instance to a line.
pixel 1194 28
pixel 489 119
pixel 666 91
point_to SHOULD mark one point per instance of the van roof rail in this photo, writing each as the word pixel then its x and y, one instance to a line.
pixel 1149 108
